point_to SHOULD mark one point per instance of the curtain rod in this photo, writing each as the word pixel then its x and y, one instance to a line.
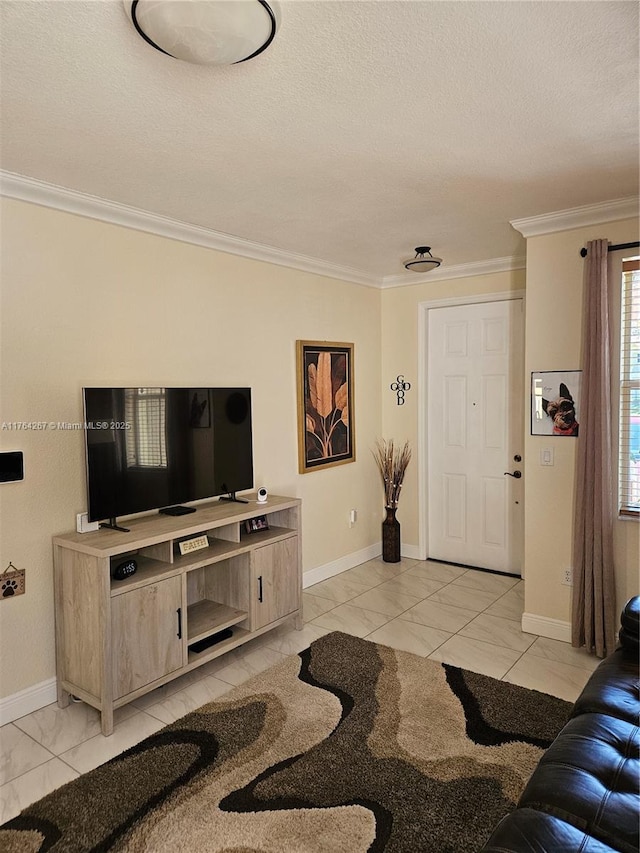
pixel 618 248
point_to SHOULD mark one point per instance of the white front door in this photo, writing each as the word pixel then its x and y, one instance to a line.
pixel 475 433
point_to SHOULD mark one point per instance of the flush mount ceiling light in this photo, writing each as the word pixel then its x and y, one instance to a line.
pixel 206 32
pixel 422 263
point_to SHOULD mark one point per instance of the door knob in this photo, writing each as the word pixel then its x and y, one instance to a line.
pixel 516 474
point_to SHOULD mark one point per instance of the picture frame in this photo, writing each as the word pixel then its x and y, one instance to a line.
pixel 200 408
pixel 555 403
pixel 325 393
pixel 256 524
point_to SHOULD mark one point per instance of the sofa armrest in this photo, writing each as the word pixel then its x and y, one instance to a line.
pixel 612 689
pixel 629 625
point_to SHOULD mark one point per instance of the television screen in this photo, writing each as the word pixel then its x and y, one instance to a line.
pixel 151 448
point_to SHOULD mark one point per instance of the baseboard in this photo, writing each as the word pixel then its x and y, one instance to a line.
pixel 25 701
pixel 412 552
pixel 349 561
pixel 554 629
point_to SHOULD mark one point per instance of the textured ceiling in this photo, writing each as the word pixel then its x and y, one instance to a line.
pixel 366 129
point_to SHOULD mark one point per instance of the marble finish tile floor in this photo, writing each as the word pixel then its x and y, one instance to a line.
pixel 447 613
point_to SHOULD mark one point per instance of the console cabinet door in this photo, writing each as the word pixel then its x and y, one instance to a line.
pixel 275 582
pixel 145 637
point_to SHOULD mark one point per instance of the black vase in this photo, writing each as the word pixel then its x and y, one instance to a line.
pixel 391 537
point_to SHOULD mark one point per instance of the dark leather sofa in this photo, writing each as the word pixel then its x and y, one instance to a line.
pixel 584 795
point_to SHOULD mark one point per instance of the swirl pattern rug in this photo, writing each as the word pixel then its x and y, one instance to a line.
pixel 348 747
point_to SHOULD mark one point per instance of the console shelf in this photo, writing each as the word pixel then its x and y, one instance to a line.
pixel 118 639
pixel 196 659
pixel 148 571
pixel 208 617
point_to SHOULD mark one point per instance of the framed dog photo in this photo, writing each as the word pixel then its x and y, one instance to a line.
pixel 555 403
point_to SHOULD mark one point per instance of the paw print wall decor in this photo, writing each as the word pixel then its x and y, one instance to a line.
pixel 11 582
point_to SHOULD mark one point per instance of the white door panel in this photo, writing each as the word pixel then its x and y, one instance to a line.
pixel 494 424
pixel 494 511
pixel 475 417
pixel 455 502
pixel 456 339
pixel 454 411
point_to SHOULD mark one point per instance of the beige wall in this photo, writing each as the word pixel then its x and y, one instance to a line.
pixel 84 303
pixel 553 342
pixel 87 303
pixel 400 354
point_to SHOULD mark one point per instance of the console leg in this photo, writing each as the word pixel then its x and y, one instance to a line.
pixel 64 696
pixel 106 719
pixel 299 621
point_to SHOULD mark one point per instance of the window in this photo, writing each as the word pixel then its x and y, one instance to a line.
pixel 629 468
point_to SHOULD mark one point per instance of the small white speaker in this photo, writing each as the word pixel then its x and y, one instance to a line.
pixel 262 495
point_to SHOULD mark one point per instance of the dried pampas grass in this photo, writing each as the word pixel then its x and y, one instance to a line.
pixel 392 463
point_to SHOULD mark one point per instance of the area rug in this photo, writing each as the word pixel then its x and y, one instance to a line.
pixel 348 747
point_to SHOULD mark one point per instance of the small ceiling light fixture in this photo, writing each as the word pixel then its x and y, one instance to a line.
pixel 421 263
pixel 206 32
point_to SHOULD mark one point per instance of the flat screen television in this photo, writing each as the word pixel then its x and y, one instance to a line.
pixel 155 448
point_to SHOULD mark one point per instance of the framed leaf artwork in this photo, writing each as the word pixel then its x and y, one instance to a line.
pixel 326 433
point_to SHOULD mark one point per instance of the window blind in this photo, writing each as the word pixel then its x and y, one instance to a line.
pixel 146 438
pixel 629 464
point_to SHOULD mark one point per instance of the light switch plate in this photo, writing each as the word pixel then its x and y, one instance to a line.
pixel 546 456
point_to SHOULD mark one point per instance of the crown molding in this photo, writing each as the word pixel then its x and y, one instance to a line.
pixel 44 194
pixel 577 217
pixel 443 273
pixel 93 207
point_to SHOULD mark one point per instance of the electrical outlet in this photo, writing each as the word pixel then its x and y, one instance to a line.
pixel 567 577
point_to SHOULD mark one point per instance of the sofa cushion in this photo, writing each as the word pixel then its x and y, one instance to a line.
pixel 530 831
pixel 589 778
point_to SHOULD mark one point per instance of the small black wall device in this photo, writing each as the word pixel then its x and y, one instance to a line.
pixel 11 466
pixel 124 570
